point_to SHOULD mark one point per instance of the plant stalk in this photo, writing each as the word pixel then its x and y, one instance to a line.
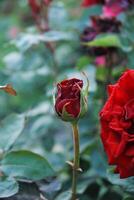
pixel 76 160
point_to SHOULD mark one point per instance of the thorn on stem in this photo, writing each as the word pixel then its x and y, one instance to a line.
pixel 72 165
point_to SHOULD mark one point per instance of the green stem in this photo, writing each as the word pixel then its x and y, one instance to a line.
pixel 76 160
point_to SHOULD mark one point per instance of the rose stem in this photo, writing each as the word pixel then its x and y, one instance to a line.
pixel 76 160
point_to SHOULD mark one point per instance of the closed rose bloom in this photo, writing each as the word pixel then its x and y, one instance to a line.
pixel 70 103
pixel 117 125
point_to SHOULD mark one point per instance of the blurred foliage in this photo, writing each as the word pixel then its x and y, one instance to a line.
pixel 33 69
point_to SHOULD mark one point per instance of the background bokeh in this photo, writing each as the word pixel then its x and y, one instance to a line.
pixel 27 62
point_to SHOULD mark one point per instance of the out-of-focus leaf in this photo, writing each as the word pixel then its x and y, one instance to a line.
pixel 42 108
pixel 27 40
pixel 105 40
pixel 41 124
pixel 127 184
pixel 99 164
pixel 65 195
pixel 101 74
pixel 63 55
pixel 13 60
pixel 57 160
pixel 128 198
pixel 82 185
pixel 59 10
pixel 53 36
pixel 49 188
pixel 83 62
pixel 10 129
pixel 8 187
pixel 26 164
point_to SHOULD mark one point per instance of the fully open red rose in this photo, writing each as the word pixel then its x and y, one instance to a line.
pixel 117 125
pixel 68 97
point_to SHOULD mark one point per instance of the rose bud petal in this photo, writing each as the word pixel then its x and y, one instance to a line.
pixel 117 125
pixel 71 100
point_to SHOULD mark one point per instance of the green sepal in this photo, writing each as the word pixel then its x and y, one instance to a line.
pixel 65 116
pixel 84 99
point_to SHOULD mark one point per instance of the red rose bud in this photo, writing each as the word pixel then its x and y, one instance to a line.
pixel 71 99
pixel 117 125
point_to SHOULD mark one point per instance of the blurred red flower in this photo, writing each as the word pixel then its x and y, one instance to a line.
pixel 117 125
pixel 100 61
pixel 100 24
pixel 113 9
pixel 35 6
pixel 87 3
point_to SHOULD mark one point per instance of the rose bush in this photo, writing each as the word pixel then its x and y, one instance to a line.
pixel 117 125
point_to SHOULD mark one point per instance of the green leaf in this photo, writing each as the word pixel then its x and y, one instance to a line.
pixel 101 74
pixel 53 36
pixel 10 129
pixel 8 187
pixel 127 183
pixel 82 185
pixel 105 40
pixel 83 62
pixel 128 198
pixel 65 195
pixel 26 164
pixel 27 40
